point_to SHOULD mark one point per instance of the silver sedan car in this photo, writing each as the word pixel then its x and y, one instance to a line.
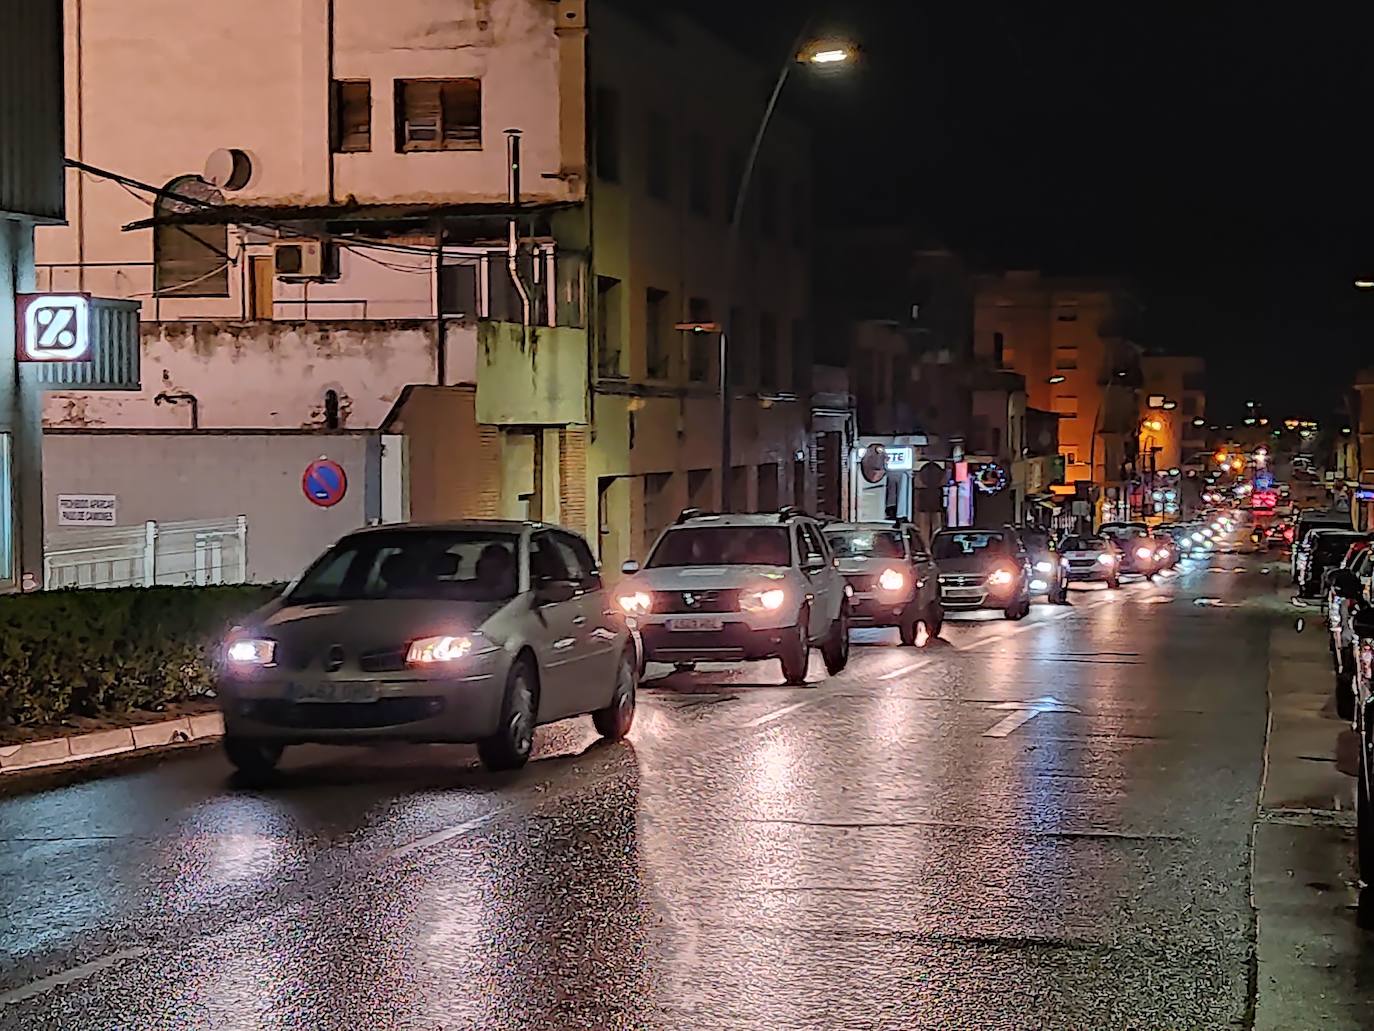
pixel 470 632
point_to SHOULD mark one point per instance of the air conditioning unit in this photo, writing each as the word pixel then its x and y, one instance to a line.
pixel 300 259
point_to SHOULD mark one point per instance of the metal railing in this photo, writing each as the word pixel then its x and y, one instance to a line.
pixel 177 554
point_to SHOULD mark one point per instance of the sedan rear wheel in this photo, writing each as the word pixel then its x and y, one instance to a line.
pixel 509 748
pixel 614 721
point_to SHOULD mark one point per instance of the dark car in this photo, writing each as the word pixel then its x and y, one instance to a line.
pixel 1139 552
pixel 891 577
pixel 1307 521
pixel 983 569
pixel 1322 551
pixel 1049 577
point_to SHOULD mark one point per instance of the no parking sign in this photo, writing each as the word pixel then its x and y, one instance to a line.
pixel 325 483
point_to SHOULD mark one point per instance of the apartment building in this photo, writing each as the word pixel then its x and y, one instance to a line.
pixel 325 254
pixel 1073 341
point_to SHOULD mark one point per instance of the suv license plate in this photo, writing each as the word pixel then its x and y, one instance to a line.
pixel 696 623
pixel 327 691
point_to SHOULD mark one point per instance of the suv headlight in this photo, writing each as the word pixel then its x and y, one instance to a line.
pixel 770 600
pixel 892 580
pixel 1001 577
pixel 636 603
pixel 251 651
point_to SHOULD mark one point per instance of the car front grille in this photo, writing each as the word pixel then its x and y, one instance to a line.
pixel 389 660
pixel 386 712
pixel 864 584
pixel 688 602
pixel 962 580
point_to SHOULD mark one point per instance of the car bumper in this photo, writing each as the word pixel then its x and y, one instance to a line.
pixel 1098 574
pixel 733 642
pixel 967 599
pixel 458 710
pixel 878 610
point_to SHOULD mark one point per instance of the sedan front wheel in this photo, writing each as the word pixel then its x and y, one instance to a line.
pixel 509 748
pixel 614 721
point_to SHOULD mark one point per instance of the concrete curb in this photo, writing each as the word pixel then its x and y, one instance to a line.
pixel 78 748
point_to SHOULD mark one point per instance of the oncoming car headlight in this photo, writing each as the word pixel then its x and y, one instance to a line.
pixel 1001 577
pixel 769 600
pixel 251 651
pixel 1144 553
pixel 1043 567
pixel 892 580
pixel 429 651
pixel 1107 560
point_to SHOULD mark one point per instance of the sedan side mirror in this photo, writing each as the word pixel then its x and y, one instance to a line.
pixel 554 592
pixel 630 568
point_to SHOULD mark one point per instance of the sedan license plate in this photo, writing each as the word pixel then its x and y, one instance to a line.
pixel 697 623
pixel 962 593
pixel 332 691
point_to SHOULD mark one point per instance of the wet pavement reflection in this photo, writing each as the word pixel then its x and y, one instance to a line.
pixel 862 852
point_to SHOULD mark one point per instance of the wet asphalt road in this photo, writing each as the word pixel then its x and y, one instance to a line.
pixel 855 854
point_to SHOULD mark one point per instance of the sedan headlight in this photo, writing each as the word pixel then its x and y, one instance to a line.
pixel 1107 560
pixel 1044 567
pixel 430 651
pixel 770 600
pixel 892 580
pixel 637 603
pixel 1001 577
pixel 251 651
pixel 1144 553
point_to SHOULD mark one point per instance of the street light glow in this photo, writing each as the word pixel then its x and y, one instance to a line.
pixel 1056 380
pixel 835 56
pixel 1364 284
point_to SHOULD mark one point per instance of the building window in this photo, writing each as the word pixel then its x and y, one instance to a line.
pixel 1067 314
pixel 657 332
pixel 189 260
pixel 352 116
pixel 610 346
pixel 801 359
pixel 1065 404
pixel 741 350
pixel 458 289
pixel 1066 358
pixel 769 354
pixel 999 350
pixel 699 175
pixel 658 169
pixel 607 130
pixel 438 114
pixel 700 346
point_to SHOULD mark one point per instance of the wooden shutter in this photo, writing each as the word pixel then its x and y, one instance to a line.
pixel 461 102
pixel 352 116
pixel 420 114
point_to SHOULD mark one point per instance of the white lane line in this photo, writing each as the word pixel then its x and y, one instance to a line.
pixel 448 834
pixel 1012 723
pixel 46 984
pixel 902 671
pixel 778 714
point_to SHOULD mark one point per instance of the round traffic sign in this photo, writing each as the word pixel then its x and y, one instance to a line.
pixel 325 483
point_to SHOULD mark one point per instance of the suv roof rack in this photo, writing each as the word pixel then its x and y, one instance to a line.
pixel 790 512
pixel 688 514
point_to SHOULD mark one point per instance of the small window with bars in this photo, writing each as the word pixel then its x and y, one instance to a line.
pixel 438 114
pixel 352 116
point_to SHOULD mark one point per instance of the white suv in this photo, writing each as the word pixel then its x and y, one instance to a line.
pixel 740 588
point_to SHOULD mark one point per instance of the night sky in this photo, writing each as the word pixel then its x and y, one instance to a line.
pixel 1216 153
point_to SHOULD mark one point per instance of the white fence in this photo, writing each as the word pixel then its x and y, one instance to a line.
pixel 183 554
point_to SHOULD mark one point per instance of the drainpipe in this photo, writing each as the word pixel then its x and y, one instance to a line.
pixel 329 78
pixel 166 398
pixel 440 326
pixel 513 243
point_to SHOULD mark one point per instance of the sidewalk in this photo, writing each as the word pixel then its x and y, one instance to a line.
pixel 82 747
pixel 1315 966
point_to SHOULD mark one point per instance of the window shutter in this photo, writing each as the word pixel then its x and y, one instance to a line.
pixel 352 116
pixel 422 113
pixel 461 102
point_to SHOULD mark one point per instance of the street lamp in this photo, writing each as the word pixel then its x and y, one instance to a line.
pixel 1054 381
pixel 1364 284
pixel 827 54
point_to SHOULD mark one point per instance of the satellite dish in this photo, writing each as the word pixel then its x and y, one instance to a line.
pixel 873 464
pixel 228 168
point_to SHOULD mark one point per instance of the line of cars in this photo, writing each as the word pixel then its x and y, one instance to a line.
pixel 478 632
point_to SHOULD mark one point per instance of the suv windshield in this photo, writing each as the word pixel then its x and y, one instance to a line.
pixel 866 543
pixel 723 546
pixel 1330 545
pixel 963 543
pixel 1083 544
pixel 440 566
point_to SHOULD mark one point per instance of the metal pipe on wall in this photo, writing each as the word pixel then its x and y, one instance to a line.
pixel 513 243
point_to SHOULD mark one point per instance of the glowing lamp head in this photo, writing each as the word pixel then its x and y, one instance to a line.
pixel 768 600
pixel 1001 577
pixel 892 580
pixel 246 651
pixel 431 651
pixel 1107 559
pixel 637 603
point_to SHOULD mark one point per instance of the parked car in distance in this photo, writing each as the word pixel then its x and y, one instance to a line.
pixel 1355 748
pixel 1346 591
pixel 740 588
pixel 1304 523
pixel 892 579
pixel 1136 547
pixel 1048 572
pixel 1321 550
pixel 463 632
pixel 983 569
pixel 1091 558
pixel 1166 551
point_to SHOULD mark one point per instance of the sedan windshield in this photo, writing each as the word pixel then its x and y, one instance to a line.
pixel 438 566
pixel 969 542
pixel 866 544
pixel 723 546
pixel 1084 544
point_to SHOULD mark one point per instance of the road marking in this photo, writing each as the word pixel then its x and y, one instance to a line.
pixel 1023 713
pixel 778 714
pixel 439 837
pixel 46 984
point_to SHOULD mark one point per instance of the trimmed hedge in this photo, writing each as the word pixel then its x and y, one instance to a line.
pixel 92 652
